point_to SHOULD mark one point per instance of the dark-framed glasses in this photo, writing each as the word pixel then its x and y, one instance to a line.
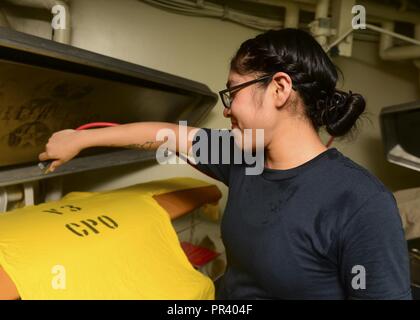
pixel 227 94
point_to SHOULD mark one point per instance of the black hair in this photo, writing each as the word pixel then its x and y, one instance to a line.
pixel 313 74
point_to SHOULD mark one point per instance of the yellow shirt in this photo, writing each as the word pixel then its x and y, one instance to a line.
pixel 104 245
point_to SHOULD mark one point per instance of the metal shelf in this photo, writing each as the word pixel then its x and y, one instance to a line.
pixel 47 86
pixel 27 173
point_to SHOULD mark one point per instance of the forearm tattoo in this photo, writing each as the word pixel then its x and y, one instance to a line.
pixel 148 145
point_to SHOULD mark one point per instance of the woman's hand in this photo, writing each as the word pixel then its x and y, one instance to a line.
pixel 62 146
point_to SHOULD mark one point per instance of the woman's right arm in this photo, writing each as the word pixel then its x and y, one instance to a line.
pixel 64 145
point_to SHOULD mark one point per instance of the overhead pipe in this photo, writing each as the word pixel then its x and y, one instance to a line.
pixel 385 39
pixel 306 5
pixel 417 36
pixel 376 12
pixel 291 19
pixel 387 51
pixel 3 20
pixel 29 193
pixel 341 20
pixel 8 195
pixel 321 9
pixel 54 189
pixel 389 13
pixel 321 28
pixel 63 35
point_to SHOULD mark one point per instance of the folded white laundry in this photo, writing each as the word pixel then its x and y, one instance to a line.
pixel 408 201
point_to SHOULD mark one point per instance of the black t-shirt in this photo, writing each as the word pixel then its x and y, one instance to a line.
pixel 327 229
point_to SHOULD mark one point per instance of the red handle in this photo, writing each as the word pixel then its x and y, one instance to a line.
pixel 96 125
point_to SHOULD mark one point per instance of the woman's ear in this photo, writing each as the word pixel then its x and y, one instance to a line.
pixel 282 88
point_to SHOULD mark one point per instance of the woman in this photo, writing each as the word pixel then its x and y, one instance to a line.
pixel 314 224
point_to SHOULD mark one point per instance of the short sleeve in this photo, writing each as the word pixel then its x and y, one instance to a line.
pixel 213 153
pixel 374 261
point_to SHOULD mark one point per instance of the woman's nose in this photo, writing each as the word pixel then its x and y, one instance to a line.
pixel 227 112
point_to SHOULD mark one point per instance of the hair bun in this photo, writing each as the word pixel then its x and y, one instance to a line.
pixel 341 111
